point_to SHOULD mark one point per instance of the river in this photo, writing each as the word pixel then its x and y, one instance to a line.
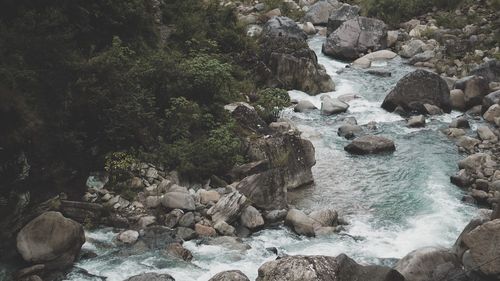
pixel 394 203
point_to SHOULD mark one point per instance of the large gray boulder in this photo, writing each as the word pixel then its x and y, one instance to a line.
pixel 178 200
pixel 370 144
pixel 301 223
pixel 319 12
pixel 323 268
pixel 331 106
pixel 151 277
pixel 230 275
pixel 416 89
pixel 475 89
pixel 355 37
pixel 429 264
pixel 288 61
pixel 339 15
pixel 51 239
pixel 484 245
pixel 265 190
pixel 228 208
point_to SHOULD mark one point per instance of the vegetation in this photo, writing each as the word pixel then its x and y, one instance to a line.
pixel 89 84
pixel 270 102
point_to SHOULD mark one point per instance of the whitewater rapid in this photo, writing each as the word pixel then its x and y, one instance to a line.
pixel 394 203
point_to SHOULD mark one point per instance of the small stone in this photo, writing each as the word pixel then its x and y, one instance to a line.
pixel 176 250
pixel 416 121
pixel 186 234
pixel 187 220
pixel 224 228
pixel 146 221
pixel 128 236
pixel 204 231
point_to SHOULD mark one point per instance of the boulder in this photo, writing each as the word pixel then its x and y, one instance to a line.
pixel 228 208
pixel 230 275
pixel 228 242
pixel 349 131
pixel 309 28
pixel 325 217
pixel 475 89
pixel 366 60
pixel 324 268
pixel 460 122
pixel 355 37
pixel 489 70
pixel 128 236
pixel 266 190
pixel 248 118
pixel 204 230
pixel 492 113
pixel 51 239
pixel 251 218
pixel 252 168
pixel 331 106
pixel 491 99
pixel 176 250
pixel 422 57
pixel 468 143
pixel 475 161
pixel 187 219
pixel 224 228
pixel 304 106
pixel 416 89
pixel 461 179
pixel 301 223
pixel 485 133
pixel 457 99
pixel 288 61
pixel 432 109
pixel 370 144
pixel 416 121
pixel 429 264
pixel 319 12
pixel 178 200
pixel 413 47
pixel 184 233
pixel 151 277
pixel 339 15
pixel 207 196
pixel 484 245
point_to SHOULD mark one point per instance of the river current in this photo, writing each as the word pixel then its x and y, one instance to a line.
pixel 394 203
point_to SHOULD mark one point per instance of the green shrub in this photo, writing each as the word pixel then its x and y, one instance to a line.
pixel 270 102
pixel 119 166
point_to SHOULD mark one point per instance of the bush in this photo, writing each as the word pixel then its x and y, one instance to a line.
pixel 119 166
pixel 270 102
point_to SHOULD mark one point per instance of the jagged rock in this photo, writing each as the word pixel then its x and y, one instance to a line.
pixel 249 119
pixel 323 268
pixel 82 212
pixel 230 275
pixel 422 57
pixel 320 11
pixel 475 89
pixel 57 250
pixel 172 218
pixel 370 144
pixel 275 215
pixel 331 106
pixel 301 223
pixel 128 236
pixel 416 121
pixel 340 15
pixel 251 218
pixel 157 237
pixel 151 277
pixel 265 190
pixel 484 245
pixel 416 89
pixel 355 37
pixel 178 200
pixel 304 106
pixel 176 250
pixel 289 63
pixel 228 208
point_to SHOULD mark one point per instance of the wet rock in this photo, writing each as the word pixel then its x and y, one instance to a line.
pixel 379 72
pixel 157 237
pixel 178 200
pixel 301 223
pixel 228 242
pixel 349 131
pixel 484 245
pixel 228 208
pixel 416 89
pixel 468 143
pixel 251 218
pixel 416 121
pixel 289 63
pixel 57 250
pixel 339 15
pixel 461 179
pixel 429 264
pixel 265 190
pixel 323 268
pixel 176 250
pixel 230 275
pixel 319 12
pixel 460 122
pixel 325 217
pixel 151 277
pixel 275 215
pixel 355 37
pixel 432 109
pixel 186 234
pixel 128 236
pixel 370 144
pixel 331 106
pixel 304 106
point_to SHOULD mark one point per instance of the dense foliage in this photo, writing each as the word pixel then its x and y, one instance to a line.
pixel 82 81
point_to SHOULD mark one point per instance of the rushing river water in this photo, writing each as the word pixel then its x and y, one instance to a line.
pixel 394 203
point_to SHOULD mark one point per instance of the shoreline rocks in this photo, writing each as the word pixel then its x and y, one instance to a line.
pixel 370 144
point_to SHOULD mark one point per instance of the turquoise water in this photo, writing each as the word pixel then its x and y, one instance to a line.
pixel 394 203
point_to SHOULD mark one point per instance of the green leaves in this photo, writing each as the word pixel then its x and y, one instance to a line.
pixel 270 102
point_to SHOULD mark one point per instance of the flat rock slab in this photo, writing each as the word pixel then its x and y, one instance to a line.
pixel 370 144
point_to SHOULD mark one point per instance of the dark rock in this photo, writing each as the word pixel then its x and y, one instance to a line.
pixel 491 99
pixel 82 212
pixel 370 144
pixel 319 12
pixel 250 120
pixel 379 72
pixel 460 122
pixel 340 15
pixel 475 89
pixel 228 208
pixel 176 250
pixel 416 121
pixel 355 37
pixel 416 89
pixel 484 245
pixel 151 277
pixel 489 70
pixel 245 170
pixel 158 237
pixel 186 234
pixel 231 275
pixel 266 190
pixel 323 268
pixel 461 179
pixel 349 131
